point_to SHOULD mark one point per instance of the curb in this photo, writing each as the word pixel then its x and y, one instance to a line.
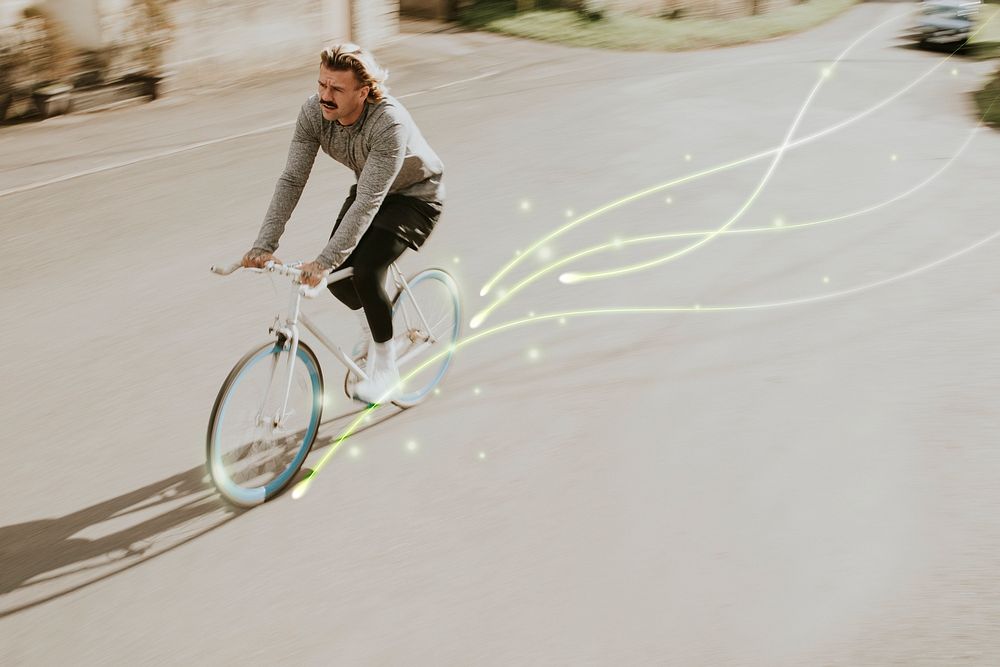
pixel 58 100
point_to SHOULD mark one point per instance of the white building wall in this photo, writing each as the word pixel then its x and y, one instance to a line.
pixel 231 37
pixel 10 11
pixel 375 22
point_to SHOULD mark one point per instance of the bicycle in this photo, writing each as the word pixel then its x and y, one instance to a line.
pixel 268 411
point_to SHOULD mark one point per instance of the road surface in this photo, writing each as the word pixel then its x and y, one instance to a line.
pixel 805 483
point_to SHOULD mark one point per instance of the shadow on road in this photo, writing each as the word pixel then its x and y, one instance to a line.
pixel 974 50
pixel 46 559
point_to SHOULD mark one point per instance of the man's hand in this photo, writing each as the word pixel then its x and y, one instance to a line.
pixel 257 258
pixel 312 273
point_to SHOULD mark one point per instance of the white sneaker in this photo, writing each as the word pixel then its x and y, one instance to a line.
pixel 382 384
pixel 360 350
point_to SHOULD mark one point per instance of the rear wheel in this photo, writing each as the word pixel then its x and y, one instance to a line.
pixel 425 345
pixel 253 448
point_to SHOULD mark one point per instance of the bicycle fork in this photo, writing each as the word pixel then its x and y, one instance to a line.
pixel 287 331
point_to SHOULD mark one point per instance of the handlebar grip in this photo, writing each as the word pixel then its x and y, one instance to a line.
pixel 312 292
pixel 225 270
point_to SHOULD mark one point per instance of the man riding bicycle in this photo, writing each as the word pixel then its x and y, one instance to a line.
pixel 394 205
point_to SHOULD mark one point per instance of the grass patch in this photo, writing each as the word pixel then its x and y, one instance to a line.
pixel 986 42
pixel 637 33
pixel 988 100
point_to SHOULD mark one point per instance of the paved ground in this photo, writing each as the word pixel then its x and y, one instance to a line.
pixel 809 484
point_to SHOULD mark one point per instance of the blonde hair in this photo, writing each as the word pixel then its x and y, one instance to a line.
pixel 352 58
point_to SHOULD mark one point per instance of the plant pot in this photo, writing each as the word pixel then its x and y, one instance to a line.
pixel 151 85
pixel 5 100
pixel 52 100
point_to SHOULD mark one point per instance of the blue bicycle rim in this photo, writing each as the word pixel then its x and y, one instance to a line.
pixel 255 496
pixel 418 395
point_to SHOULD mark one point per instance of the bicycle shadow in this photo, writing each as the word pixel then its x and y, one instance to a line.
pixel 46 559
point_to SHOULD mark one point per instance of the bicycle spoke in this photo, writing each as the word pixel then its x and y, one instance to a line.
pixel 255 443
pixel 425 314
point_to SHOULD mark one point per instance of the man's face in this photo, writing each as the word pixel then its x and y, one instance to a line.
pixel 340 96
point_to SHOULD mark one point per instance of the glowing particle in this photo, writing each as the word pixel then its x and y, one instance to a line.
pixel 826 280
pixel 300 489
pixel 477 320
pixel 617 242
pixel 482 455
pixel 893 157
pixel 545 252
pixel 827 71
pixel 697 306
pixel 531 313
pixel 477 391
pixel 669 200
pixel 687 158
pixel 411 446
pixel 354 452
pixel 569 213
pixel 954 71
pixel 525 205
pixel 778 222
pixel 455 259
pixel 517 253
pixel 568 278
pixel 502 293
pixel 437 392
pixel 562 320
pixel 533 354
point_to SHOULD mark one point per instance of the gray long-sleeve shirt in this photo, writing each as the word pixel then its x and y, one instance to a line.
pixel 387 153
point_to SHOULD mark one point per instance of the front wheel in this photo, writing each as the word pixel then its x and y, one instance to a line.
pixel 256 440
pixel 425 336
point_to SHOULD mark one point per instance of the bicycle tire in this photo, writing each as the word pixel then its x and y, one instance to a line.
pixel 294 446
pixel 416 389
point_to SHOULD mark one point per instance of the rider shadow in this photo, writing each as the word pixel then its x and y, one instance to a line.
pixel 46 559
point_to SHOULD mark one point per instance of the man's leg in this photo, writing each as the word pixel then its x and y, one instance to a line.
pixel 377 249
pixel 381 245
pixel 344 289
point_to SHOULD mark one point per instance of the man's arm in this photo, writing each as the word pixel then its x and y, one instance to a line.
pixel 385 159
pixel 301 155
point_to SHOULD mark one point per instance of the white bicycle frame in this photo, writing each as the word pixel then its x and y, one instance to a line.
pixel 289 328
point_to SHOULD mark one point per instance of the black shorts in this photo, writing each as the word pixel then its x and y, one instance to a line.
pixel 410 219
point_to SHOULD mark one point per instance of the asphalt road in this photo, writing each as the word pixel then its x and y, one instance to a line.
pixel 809 479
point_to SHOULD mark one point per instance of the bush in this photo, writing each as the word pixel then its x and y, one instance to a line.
pixel 988 100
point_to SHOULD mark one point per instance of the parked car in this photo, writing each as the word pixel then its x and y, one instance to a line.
pixel 945 22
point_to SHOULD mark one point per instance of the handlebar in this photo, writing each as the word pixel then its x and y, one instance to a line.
pixel 290 270
pixel 226 270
